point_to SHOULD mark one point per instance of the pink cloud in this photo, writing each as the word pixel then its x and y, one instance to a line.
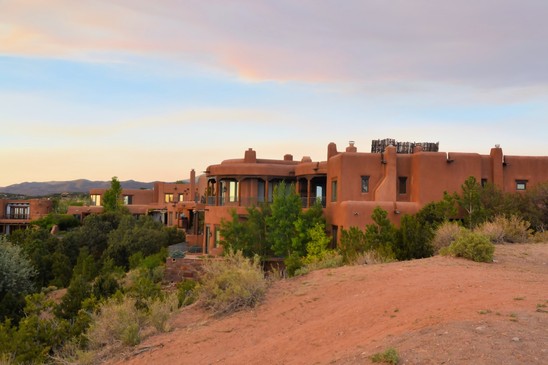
pixel 486 43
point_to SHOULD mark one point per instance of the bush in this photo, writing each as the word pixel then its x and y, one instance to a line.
pixel 352 244
pixel 493 230
pixel 515 229
pixel 293 263
pixel 446 234
pixel 330 259
pixel 117 323
pixel 370 257
pixel 186 292
pixel 232 283
pixel 161 310
pixel 390 356
pixel 541 237
pixel 472 246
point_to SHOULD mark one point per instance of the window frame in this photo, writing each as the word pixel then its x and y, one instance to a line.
pixel 365 184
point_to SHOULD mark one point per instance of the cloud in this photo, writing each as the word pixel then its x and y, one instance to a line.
pixel 483 44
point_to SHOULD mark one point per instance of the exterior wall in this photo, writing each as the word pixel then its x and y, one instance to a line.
pixel 427 176
pixel 17 214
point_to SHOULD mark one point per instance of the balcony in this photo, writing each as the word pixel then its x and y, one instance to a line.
pixel 16 216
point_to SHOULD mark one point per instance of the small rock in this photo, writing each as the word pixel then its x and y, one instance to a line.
pixel 480 328
pixel 515 339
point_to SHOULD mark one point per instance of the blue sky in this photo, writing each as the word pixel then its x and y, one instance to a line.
pixel 149 90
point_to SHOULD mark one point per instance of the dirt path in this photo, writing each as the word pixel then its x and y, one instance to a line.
pixel 433 311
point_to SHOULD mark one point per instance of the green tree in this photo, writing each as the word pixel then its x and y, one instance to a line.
pixel 470 200
pixel 286 210
pixel 352 243
pixel 112 198
pixel 414 239
pixel 381 235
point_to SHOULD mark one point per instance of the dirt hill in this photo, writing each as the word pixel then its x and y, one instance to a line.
pixel 434 311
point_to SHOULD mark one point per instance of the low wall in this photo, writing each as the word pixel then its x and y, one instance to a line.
pixel 178 269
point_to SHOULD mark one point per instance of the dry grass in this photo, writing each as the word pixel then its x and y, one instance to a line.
pixel 446 234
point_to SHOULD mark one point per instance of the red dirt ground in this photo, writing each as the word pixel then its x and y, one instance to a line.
pixel 439 310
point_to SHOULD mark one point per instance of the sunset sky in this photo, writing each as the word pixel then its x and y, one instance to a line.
pixel 148 90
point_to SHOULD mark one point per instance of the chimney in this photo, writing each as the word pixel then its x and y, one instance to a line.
pixel 331 150
pixel 288 157
pixel 193 184
pixel 351 147
pixel 250 156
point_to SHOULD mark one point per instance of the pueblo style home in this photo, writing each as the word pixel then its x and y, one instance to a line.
pixel 17 214
pixel 399 177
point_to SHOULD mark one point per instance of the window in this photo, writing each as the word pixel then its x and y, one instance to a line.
pixel 181 197
pixel 483 182
pixel 128 199
pixel 334 190
pixel 217 238
pixel 402 188
pixel 521 184
pixel 168 197
pixel 233 191
pixel 95 199
pixel 365 184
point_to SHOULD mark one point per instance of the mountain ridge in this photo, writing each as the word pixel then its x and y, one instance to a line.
pixel 36 188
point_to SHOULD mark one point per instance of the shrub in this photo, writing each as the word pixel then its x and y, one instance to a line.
pixel 515 228
pixel 293 263
pixel 161 310
pixel 232 283
pixel 370 257
pixel 390 356
pixel 330 259
pixel 117 323
pixel 541 237
pixel 473 246
pixel 446 234
pixel 352 243
pixel 493 230
pixel 186 292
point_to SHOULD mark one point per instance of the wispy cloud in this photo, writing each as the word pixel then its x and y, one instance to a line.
pixel 488 43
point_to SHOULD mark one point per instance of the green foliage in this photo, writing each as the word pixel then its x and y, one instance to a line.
pixel 316 248
pixel 352 244
pixel 435 213
pixel 186 292
pixel 63 221
pixel 112 198
pixel 132 236
pixel 381 236
pixel 231 283
pixel 414 239
pixel 390 356
pixel 16 270
pixel 292 263
pixel 175 235
pixel 472 246
pixel 470 200
pixel 249 235
pixel 286 211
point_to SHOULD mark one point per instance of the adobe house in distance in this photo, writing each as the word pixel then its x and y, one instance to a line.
pixel 399 177
pixel 17 214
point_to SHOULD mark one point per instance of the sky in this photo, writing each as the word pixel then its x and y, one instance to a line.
pixel 148 90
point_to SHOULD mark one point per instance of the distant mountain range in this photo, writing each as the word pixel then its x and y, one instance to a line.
pixel 74 186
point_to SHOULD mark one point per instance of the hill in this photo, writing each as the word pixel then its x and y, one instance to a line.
pixel 73 186
pixel 432 311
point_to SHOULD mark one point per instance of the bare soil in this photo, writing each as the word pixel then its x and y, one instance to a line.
pixel 439 310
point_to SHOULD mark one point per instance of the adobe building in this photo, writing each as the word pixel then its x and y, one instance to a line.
pixel 177 205
pixel 399 177
pixel 17 214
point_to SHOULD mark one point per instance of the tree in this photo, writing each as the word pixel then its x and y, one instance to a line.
pixel 352 243
pixel 470 201
pixel 381 236
pixel 286 210
pixel 414 239
pixel 112 199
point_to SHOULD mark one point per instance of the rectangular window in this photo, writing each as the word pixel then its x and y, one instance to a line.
pixel 128 199
pixel 168 197
pixel 217 238
pixel 233 191
pixel 95 199
pixel 334 190
pixel 483 182
pixel 521 184
pixel 181 197
pixel 402 189
pixel 365 184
